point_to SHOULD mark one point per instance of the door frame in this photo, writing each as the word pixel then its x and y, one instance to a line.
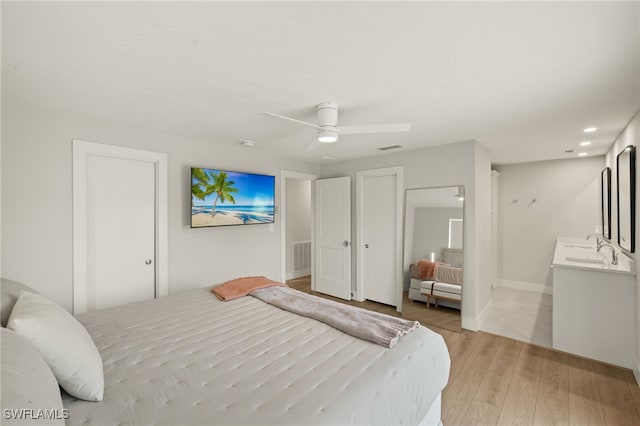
pixel 396 171
pixel 284 174
pixel 82 150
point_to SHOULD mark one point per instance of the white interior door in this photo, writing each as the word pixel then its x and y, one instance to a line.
pixel 119 225
pixel 121 245
pixel 379 235
pixel 333 233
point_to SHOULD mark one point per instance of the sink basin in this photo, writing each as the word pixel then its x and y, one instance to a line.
pixel 594 260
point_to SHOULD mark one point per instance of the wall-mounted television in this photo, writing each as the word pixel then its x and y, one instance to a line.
pixel 224 198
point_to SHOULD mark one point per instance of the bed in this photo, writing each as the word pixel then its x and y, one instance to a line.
pixel 191 359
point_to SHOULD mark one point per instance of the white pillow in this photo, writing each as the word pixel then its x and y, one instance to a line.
pixel 27 383
pixel 63 342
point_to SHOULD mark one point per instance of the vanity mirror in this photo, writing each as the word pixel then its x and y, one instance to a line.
pixel 433 262
pixel 605 198
pixel 626 183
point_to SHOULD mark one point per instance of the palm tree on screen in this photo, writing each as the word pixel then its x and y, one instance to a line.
pixel 200 184
pixel 223 189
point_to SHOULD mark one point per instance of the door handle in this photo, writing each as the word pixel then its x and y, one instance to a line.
pixel 148 262
pixel 345 243
pixel 366 246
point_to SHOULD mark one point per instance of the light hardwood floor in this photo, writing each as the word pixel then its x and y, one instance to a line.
pixel 495 380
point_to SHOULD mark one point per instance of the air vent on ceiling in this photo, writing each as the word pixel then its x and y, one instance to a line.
pixel 387 148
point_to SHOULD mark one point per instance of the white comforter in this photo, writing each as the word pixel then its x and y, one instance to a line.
pixel 192 359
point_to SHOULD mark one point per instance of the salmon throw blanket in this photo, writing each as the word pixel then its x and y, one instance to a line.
pixel 378 328
pixel 426 270
pixel 242 286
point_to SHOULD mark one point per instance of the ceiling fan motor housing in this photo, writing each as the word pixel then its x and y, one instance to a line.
pixel 328 115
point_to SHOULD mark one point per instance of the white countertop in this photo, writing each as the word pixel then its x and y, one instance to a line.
pixel 580 253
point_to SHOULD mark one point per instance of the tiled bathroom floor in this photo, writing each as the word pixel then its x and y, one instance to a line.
pixel 521 315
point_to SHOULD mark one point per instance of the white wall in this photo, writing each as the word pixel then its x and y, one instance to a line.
pixel 298 196
pixel 568 204
pixel 477 256
pixel 629 136
pixel 431 231
pixel 36 203
pixel 464 163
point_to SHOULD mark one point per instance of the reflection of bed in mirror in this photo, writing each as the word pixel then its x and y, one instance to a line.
pixel 439 282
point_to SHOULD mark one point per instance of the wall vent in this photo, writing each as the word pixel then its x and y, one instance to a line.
pixel 569 152
pixel 387 148
pixel 301 256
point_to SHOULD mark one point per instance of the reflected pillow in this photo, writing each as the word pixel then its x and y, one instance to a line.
pixel 63 342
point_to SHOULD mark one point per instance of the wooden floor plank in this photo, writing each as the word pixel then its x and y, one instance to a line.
pixel 584 400
pixel 552 404
pixel 487 404
pixel 634 389
pixel 468 343
pixel 618 404
pixel 520 404
pixel 463 387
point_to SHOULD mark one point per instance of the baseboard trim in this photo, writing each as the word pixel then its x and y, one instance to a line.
pixel 468 323
pixel 474 324
pixel 298 274
pixel 484 314
pixel 526 286
pixel 636 374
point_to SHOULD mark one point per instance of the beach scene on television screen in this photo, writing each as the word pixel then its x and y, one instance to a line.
pixel 220 198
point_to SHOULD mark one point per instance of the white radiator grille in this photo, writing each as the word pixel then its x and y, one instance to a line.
pixel 301 255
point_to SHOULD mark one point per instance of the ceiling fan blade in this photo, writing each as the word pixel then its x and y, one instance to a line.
pixel 293 119
pixel 375 128
pixel 313 146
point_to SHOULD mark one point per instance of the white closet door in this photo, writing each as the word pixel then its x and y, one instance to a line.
pixel 121 231
pixel 379 227
pixel 379 195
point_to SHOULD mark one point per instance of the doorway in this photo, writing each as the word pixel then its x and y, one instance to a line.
pixel 296 227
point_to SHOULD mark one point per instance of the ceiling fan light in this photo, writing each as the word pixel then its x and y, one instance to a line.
pixel 327 136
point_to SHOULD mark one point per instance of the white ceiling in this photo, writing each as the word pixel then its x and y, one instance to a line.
pixel 522 78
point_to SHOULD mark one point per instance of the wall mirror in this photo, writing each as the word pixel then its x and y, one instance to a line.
pixel 605 201
pixel 433 256
pixel 626 183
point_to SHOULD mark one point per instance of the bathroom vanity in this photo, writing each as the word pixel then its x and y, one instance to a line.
pixel 593 302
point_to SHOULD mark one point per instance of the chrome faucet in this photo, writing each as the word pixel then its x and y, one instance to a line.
pixel 614 254
pixel 599 242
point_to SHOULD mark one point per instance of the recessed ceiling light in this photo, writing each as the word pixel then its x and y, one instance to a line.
pixel 248 144
pixel 582 154
pixel 590 129
pixel 585 143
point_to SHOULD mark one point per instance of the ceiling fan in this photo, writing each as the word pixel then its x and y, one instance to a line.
pixel 328 129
